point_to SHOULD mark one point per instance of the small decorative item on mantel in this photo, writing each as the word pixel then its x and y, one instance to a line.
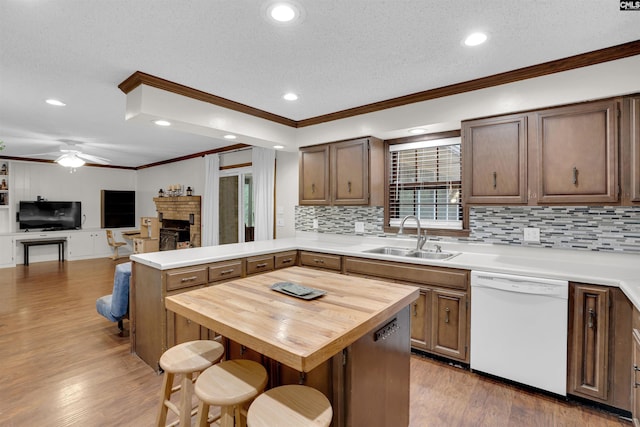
pixel 161 193
pixel 189 191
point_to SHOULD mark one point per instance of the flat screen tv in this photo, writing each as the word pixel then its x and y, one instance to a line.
pixel 50 215
pixel 118 208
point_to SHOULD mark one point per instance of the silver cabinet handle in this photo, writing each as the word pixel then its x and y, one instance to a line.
pixel 313 188
pixel 318 261
pixel 495 180
pixel 415 309
pixel 592 316
pixel 575 175
pixel 446 315
pixel 349 186
pixel 188 279
pixel 224 272
pixel 264 264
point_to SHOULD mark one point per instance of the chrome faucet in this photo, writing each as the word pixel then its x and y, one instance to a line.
pixel 421 239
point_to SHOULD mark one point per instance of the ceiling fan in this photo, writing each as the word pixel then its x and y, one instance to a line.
pixel 71 157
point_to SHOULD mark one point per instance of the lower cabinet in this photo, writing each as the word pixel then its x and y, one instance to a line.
pixel 439 317
pixel 88 244
pixel 635 380
pixel 599 346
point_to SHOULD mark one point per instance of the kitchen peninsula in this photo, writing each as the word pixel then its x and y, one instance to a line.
pixel 443 287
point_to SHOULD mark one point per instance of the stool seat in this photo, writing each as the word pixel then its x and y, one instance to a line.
pixel 192 356
pixel 185 359
pixel 229 384
pixel 290 406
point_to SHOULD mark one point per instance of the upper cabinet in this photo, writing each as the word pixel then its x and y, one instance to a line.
pixel 564 155
pixel 630 141
pixel 578 153
pixel 342 173
pixel 314 175
pixel 495 160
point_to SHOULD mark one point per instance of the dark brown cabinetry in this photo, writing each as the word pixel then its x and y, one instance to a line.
pixel 314 175
pixel 630 149
pixel 495 160
pixel 559 155
pixel 599 347
pixel 339 173
pixel 635 369
pixel 578 153
pixel 439 317
pixel 318 260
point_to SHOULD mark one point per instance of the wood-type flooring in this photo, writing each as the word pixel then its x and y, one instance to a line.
pixel 62 364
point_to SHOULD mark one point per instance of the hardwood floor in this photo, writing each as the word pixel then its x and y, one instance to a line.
pixel 62 364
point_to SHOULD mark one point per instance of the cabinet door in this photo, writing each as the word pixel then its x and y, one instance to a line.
pixel 449 323
pixel 350 172
pixel 495 160
pixel 578 153
pixel 314 176
pixel 589 364
pixel 181 329
pixel 635 148
pixel 81 244
pixel 420 321
pixel 635 379
pixel 7 250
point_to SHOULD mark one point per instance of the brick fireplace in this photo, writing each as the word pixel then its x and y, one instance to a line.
pixel 173 211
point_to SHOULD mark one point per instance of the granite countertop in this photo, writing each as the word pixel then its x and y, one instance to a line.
pixel 599 268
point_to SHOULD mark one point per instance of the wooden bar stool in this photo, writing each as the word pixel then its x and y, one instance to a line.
pixel 290 406
pixel 185 359
pixel 229 385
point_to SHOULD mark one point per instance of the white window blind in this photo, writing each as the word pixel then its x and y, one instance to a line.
pixel 424 180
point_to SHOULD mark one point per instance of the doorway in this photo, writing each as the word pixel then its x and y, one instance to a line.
pixel 235 206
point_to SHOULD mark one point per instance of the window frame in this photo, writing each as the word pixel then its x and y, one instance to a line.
pixel 464 232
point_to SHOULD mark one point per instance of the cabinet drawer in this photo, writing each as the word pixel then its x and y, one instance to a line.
pixel 225 270
pixel 186 277
pixel 259 264
pixel 425 275
pixel 286 259
pixel 312 259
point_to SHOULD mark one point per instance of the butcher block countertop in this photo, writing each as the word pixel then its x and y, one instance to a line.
pixel 298 333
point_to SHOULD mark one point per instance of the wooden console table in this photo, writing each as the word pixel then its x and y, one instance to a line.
pixel 28 243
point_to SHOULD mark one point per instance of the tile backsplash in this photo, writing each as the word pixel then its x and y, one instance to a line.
pixel 574 227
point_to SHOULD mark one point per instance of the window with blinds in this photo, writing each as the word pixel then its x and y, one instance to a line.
pixel 424 180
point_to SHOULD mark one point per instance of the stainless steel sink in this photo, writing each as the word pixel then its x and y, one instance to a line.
pixel 432 255
pixel 388 250
pixel 404 252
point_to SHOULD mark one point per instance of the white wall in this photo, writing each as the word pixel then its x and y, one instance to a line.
pixel 28 180
pixel 189 173
pixel 286 193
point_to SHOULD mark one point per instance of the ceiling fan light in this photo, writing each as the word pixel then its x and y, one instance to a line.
pixel 70 161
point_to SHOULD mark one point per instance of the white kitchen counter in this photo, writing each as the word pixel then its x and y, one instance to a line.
pixel 599 268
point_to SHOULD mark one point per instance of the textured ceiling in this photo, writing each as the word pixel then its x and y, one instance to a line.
pixel 342 54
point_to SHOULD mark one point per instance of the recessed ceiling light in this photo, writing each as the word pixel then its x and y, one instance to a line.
pixel 162 123
pixel 278 147
pixel 475 39
pixel 55 102
pixel 290 96
pixel 230 136
pixel 283 12
pixel 417 131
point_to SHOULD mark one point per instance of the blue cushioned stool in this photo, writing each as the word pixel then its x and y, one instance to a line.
pixel 115 307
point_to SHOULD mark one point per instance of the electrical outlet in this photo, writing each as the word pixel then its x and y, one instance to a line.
pixel 315 224
pixel 532 234
pixel 280 222
pixel 359 227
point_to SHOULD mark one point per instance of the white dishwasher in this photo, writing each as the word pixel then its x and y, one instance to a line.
pixel 519 329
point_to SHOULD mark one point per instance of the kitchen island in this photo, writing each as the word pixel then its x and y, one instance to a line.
pixel 359 327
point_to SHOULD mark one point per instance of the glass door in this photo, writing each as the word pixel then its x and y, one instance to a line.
pixel 235 206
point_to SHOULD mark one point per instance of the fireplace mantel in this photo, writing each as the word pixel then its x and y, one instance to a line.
pixel 183 208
